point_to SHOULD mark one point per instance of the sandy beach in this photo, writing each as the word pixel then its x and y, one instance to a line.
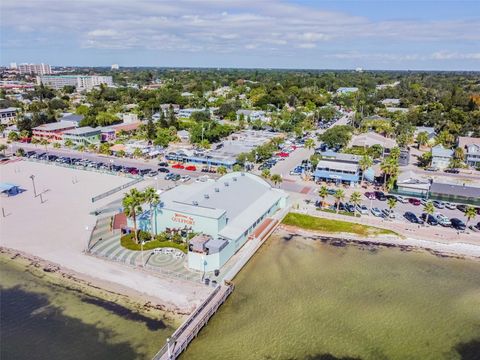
pixel 56 227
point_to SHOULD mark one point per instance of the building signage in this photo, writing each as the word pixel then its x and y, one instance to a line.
pixel 180 218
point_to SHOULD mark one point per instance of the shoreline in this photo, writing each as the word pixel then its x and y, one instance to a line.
pixel 439 249
pixel 128 298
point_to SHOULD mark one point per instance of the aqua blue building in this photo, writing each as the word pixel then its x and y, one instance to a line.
pixel 226 211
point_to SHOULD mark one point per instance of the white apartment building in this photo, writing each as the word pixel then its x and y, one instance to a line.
pixel 37 69
pixel 81 82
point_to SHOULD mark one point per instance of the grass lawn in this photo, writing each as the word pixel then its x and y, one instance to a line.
pixel 128 242
pixel 333 226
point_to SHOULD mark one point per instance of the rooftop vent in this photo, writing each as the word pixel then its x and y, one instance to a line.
pixel 242 174
pixel 234 179
pixel 206 196
pixel 227 184
pixel 195 203
pixel 217 189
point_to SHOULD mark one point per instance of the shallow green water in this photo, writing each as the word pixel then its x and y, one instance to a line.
pixel 301 299
pixel 40 320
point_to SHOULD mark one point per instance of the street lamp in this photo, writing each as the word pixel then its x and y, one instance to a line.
pixel 34 189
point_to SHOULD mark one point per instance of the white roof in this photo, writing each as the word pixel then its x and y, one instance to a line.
pixel 372 138
pixel 56 126
pixel 245 199
pixel 336 165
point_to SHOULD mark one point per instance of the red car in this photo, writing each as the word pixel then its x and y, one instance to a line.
pixel 370 195
pixel 414 201
pixel 191 168
pixel 178 166
pixel 283 154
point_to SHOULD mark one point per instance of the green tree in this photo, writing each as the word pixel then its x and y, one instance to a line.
pixel 276 179
pixel 44 142
pixel 68 143
pixel 323 193
pixel 338 135
pixel 132 206
pixel 391 203
pixel 339 196
pixel 20 152
pixel 221 170
pixel 137 153
pixel 237 167
pixel 355 199
pixel 57 145
pixel 309 144
pixel 422 139
pixel 3 148
pixel 152 198
pixel 470 214
pixel 389 167
pixel 150 129
pixel 428 208
pixel 365 163
pixel 13 136
pixel 266 174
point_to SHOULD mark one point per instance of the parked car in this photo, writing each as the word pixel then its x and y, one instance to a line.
pixel 178 166
pixel 191 168
pixel 389 214
pixel 350 207
pixel 412 218
pixel 429 219
pixel 462 207
pixel 376 212
pixel 458 224
pixel 185 178
pixel 431 169
pixel 362 209
pixel 414 201
pixel 144 171
pixel 175 177
pixel 443 220
pixel 450 205
pixel 163 170
pixel 168 176
pixel 29 154
pixel 331 191
pixel 163 164
pixel 370 195
pixel 452 171
pixel 439 204
pixel 402 199
pixel 380 196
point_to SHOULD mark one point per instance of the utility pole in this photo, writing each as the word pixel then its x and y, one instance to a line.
pixel 34 189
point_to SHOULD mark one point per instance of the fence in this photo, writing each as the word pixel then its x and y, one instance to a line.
pixel 116 189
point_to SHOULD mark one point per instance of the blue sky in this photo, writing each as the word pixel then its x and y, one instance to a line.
pixel 415 35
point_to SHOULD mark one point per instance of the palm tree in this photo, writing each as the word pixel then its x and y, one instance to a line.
pixel 45 143
pixel 152 198
pixel 429 209
pixel 355 199
pixel 266 174
pixel 323 193
pixel 132 205
pixel 389 166
pixel 309 144
pixel 365 163
pixel 422 138
pixel 391 202
pixel 339 196
pixel 470 213
pixel 222 170
pixel 276 179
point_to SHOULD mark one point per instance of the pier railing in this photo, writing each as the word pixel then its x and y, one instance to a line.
pixel 116 189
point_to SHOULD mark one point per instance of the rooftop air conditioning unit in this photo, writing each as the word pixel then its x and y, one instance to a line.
pixel 234 179
pixel 217 189
pixel 227 184
pixel 195 203
pixel 206 196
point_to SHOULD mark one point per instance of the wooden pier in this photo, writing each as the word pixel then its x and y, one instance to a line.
pixel 180 339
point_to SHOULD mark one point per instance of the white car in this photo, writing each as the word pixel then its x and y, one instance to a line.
pixel 185 178
pixel 376 212
pixel 362 209
pixel 402 199
pixel 450 205
pixel 387 213
pixel 443 220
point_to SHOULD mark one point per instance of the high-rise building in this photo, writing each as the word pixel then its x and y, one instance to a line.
pixel 37 69
pixel 81 82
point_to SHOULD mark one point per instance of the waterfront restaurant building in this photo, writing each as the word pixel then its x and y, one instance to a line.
pixel 226 211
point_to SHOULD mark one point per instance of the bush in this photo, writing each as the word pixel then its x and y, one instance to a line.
pixel 144 236
pixel 128 242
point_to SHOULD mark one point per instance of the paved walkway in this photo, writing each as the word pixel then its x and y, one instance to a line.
pixel 105 243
